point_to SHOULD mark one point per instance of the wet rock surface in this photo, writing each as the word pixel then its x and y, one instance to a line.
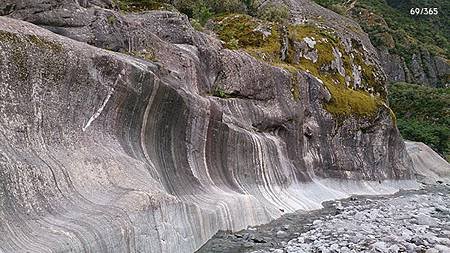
pixel 409 221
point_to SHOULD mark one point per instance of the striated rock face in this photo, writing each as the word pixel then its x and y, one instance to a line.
pixel 157 149
pixel 424 68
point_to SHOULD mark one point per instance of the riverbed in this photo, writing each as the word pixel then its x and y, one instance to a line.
pixel 408 221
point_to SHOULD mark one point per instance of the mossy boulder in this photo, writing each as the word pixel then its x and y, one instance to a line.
pixel 143 5
pixel 355 85
pixel 244 31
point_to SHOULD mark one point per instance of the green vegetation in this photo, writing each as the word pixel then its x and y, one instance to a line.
pixel 239 31
pixel 37 41
pixel 423 114
pixel 221 93
pixel 203 10
pixel 344 101
pixel 143 5
pixel 146 54
pixel 262 32
pixel 390 24
pixel 111 19
pixel 347 102
pixel 196 24
pixel 263 40
pixel 274 13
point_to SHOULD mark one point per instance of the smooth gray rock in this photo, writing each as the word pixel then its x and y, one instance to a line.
pixel 423 219
pixel 281 234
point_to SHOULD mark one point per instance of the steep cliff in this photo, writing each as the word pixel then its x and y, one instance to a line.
pixel 423 68
pixel 156 135
pixel 411 37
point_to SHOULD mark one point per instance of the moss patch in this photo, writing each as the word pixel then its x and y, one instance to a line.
pixel 9 37
pixel 40 42
pixel 240 28
pixel 347 102
pixel 22 44
pixel 246 33
pixel 45 44
pixel 146 54
pixel 143 5
pixel 17 57
pixel 344 101
pixel 221 93
pixel 259 38
pixel 111 19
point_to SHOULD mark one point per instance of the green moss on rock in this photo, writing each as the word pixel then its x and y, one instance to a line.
pixel 15 39
pixel 21 47
pixel 46 44
pixel 18 53
pixel 221 93
pixel 9 37
pixel 345 101
pixel 240 28
pixel 147 54
pixel 143 5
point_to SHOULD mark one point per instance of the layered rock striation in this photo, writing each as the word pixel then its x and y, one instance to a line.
pixel 134 132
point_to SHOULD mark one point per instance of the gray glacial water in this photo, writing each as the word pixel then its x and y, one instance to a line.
pixel 409 221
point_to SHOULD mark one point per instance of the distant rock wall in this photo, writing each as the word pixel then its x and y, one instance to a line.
pixel 423 69
pixel 103 151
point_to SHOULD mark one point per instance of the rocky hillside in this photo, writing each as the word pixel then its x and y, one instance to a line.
pixel 423 114
pixel 413 47
pixel 132 131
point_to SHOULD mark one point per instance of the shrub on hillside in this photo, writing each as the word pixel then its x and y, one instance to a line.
pixel 274 12
pixel 423 114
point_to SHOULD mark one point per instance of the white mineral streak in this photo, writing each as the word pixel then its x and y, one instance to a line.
pixel 144 128
pixel 100 109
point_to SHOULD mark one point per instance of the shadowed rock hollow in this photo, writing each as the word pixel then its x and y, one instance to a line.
pixel 155 136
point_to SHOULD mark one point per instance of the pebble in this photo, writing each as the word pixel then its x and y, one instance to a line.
pixel 424 219
pixel 281 234
pixel 442 248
